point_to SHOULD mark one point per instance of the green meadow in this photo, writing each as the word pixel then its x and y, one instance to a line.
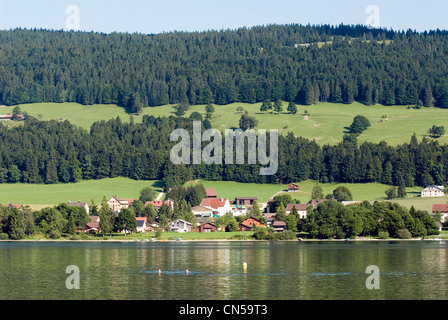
pixel 41 195
pixel 326 123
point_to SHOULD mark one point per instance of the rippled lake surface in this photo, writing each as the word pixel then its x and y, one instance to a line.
pixel 323 270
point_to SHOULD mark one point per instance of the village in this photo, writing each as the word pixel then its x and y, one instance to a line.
pixel 213 207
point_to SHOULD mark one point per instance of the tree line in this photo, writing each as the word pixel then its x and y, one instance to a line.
pixel 58 152
pixel 293 63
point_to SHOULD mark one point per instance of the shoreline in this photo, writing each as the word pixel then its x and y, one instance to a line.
pixel 220 240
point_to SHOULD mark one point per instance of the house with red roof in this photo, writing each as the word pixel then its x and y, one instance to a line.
pixel 442 208
pixel 142 224
pixel 220 205
pixel 211 193
pixel 158 203
pixel 249 223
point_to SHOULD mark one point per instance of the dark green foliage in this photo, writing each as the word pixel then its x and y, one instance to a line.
pixel 359 124
pixel 247 65
pixel 436 131
pixel 247 122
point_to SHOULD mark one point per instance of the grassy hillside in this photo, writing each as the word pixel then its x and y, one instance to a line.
pixel 326 123
pixel 38 196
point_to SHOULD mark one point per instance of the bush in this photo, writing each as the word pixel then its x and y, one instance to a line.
pixel 383 235
pixel 260 234
pixel 54 234
pixel 4 236
pixel 404 234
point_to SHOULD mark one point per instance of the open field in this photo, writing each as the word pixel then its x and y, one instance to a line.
pixel 326 123
pixel 38 196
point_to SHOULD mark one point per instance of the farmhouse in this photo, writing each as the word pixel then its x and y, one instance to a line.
pixel 442 208
pixel 301 208
pixel 221 205
pixel 249 223
pixel 8 117
pixel 269 218
pixel 180 225
pixel 116 203
pixel 433 191
pixel 206 227
pixel 79 204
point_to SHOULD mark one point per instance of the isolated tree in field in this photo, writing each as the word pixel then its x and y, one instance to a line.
pixel 180 110
pixel 247 122
pixel 147 194
pixel 342 194
pixel 278 106
pixel 391 193
pixel 436 131
pixel 292 108
pixel 209 109
pixel 266 106
pixel 196 116
pixel 359 124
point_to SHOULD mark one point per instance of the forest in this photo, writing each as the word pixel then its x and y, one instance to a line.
pixel 59 152
pixel 304 64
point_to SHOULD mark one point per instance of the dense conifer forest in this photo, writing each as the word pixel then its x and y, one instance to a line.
pixel 51 152
pixel 304 64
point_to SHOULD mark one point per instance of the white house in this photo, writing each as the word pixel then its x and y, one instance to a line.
pixel 238 210
pixel 433 191
pixel 142 224
pixel 301 209
pixel 180 225
pixel 80 204
pixel 220 205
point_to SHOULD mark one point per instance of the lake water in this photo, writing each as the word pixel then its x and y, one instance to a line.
pixel 275 270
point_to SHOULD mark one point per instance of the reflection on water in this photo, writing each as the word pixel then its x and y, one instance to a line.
pixel 214 270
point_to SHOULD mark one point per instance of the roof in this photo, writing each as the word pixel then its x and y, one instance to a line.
pixel 211 192
pixel 440 188
pixel 214 203
pixel 124 201
pixel 77 204
pixel 246 198
pixel 251 218
pixel 298 206
pixel 201 208
pixel 279 224
pixel 440 207
pixel 207 223
pixel 178 220
pixel 158 203
pixel 11 205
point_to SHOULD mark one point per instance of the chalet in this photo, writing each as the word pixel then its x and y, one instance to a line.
pixel 142 224
pixel 245 200
pixel 249 223
pixel 442 208
pixel 206 227
pixel 433 191
pixel 221 205
pixel 94 225
pixel 158 203
pixel 79 204
pixel 279 226
pixel 293 187
pixel 180 225
pixel 200 211
pixel 153 226
pixel 116 203
pixel 301 208
pixel 211 193
pixel 11 205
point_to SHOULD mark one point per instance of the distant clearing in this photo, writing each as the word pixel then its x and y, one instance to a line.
pixel 327 121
